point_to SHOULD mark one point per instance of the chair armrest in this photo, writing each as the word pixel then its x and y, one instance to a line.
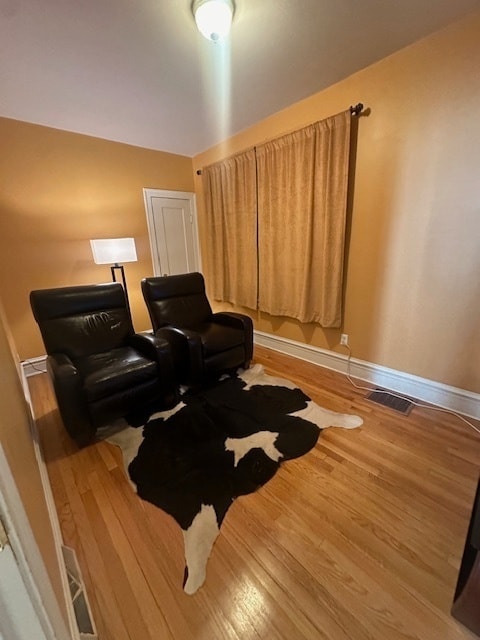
pixel 186 349
pixel 232 319
pixel 152 346
pixel 158 349
pixel 62 368
pixel 238 321
pixel 70 396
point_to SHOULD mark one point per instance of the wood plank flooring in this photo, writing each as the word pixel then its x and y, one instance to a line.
pixel 360 539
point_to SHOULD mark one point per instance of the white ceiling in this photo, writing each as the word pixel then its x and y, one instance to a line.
pixel 137 71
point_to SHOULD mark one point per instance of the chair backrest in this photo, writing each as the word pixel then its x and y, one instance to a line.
pixel 178 300
pixel 82 320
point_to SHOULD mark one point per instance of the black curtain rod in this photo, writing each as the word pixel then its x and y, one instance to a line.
pixel 355 110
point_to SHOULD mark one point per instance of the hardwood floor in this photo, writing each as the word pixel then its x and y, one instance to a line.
pixel 360 539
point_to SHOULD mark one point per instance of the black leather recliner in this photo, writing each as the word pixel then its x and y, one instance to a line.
pixel 101 369
pixel 204 344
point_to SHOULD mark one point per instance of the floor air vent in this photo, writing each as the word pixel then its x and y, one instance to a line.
pixel 380 396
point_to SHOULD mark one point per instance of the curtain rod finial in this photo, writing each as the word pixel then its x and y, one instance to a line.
pixel 357 109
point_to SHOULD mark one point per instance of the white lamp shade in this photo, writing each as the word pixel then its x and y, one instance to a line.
pixel 213 18
pixel 113 250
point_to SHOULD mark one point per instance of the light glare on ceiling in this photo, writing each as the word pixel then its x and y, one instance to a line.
pixel 213 18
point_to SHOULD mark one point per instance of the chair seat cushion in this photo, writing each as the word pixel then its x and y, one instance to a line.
pixel 114 371
pixel 217 337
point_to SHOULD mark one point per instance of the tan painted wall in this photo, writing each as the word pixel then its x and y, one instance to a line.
pixel 16 442
pixel 412 284
pixel 57 191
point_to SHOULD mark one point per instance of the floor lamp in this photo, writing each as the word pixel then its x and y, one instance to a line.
pixel 116 251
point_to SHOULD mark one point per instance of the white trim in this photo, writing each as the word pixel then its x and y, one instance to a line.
pixel 148 194
pixel 33 570
pixel 32 366
pixel 442 395
pixel 18 617
pixel 47 490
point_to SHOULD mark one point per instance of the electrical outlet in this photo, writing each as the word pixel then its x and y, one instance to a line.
pixel 344 339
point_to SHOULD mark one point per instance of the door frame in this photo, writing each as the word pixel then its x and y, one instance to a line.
pixel 28 596
pixel 148 194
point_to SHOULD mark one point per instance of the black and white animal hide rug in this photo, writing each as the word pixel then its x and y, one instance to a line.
pixel 219 443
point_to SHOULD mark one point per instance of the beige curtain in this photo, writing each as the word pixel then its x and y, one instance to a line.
pixel 231 217
pixel 302 199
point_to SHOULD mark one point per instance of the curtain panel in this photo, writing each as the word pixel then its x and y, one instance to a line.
pixel 302 202
pixel 276 222
pixel 231 215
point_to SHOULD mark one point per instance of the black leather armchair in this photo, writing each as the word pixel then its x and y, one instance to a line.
pixel 204 344
pixel 101 369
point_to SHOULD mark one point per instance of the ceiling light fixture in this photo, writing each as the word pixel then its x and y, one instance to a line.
pixel 213 18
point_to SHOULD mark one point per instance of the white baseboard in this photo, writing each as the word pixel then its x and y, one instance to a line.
pixel 442 395
pixel 39 365
pixel 32 366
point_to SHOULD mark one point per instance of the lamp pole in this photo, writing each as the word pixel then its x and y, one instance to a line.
pixel 113 269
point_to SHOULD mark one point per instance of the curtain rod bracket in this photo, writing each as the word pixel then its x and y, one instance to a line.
pixel 357 109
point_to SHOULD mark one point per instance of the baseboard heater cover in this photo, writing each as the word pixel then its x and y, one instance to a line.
pixel 81 606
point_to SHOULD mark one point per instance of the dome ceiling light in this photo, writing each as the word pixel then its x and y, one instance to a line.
pixel 213 18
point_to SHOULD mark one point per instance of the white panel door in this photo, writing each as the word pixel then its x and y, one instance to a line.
pixel 18 618
pixel 28 607
pixel 173 233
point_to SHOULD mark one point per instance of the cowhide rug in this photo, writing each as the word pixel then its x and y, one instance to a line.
pixel 222 442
